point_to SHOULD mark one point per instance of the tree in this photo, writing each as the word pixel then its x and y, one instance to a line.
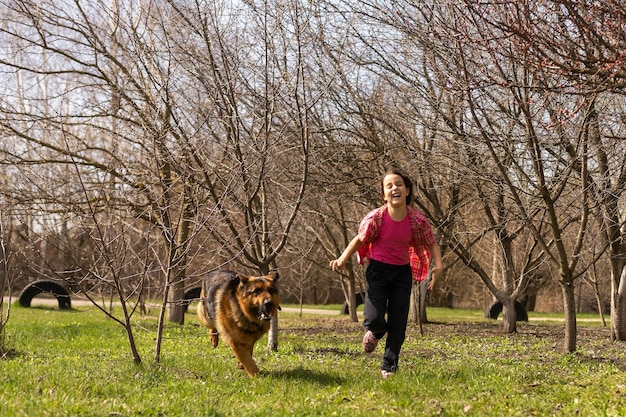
pixel 423 123
pixel 578 48
pixel 258 120
pixel 90 98
pixel 7 276
pixel 172 138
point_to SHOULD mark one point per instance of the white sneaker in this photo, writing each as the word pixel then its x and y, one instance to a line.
pixel 369 342
pixel 386 374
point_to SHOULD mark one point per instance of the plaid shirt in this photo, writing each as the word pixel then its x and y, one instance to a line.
pixel 421 239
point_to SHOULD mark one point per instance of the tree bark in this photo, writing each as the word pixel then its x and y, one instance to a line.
pixel 415 304
pixel 352 297
pixel 509 315
pixel 176 294
pixel 569 305
pixel 618 303
pixel 272 336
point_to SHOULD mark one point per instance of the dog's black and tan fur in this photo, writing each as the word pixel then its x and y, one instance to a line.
pixel 238 308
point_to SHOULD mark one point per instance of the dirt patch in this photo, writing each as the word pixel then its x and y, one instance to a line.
pixel 484 338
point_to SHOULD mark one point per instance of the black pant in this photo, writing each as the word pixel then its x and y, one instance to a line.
pixel 388 291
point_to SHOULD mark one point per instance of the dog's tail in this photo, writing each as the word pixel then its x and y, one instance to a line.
pixel 203 309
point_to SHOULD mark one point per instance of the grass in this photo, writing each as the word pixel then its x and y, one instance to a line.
pixel 78 362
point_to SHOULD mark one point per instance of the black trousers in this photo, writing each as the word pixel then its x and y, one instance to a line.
pixel 388 291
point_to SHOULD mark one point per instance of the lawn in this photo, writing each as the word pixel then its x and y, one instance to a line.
pixel 78 362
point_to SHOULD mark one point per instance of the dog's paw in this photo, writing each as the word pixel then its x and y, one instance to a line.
pixel 215 338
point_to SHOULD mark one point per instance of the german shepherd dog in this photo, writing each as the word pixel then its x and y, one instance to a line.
pixel 239 308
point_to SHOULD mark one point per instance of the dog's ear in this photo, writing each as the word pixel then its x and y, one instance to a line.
pixel 274 275
pixel 243 279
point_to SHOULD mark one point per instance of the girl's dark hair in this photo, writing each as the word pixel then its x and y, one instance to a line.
pixel 407 183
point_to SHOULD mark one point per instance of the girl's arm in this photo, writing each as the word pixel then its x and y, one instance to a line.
pixel 435 254
pixel 352 247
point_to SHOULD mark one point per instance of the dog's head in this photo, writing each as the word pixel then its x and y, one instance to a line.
pixel 259 295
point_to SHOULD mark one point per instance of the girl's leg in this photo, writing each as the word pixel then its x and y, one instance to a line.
pixel 377 293
pixel 399 304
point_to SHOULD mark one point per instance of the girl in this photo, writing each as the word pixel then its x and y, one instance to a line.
pixel 398 242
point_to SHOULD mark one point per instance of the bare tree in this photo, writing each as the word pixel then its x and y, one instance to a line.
pixel 6 277
pixel 104 108
pixel 461 88
pixel 258 120
pixel 417 120
pixel 194 134
pixel 576 49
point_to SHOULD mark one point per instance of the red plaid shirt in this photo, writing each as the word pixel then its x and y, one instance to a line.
pixel 421 239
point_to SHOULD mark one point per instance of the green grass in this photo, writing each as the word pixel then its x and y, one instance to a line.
pixel 78 363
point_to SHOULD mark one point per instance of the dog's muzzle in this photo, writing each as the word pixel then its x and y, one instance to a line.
pixel 266 311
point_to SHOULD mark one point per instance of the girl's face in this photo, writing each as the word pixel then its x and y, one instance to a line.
pixel 394 190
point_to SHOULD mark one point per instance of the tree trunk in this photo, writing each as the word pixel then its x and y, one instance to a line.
pixel 176 295
pixel 131 341
pixel 272 336
pixel 129 329
pixel 423 292
pixel 618 302
pixel 415 305
pixel 509 315
pixel 569 305
pixel 176 311
pixel 419 292
pixel 596 293
pixel 352 298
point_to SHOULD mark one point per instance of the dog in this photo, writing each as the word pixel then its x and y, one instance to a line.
pixel 238 308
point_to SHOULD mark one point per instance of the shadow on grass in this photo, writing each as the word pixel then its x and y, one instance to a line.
pixel 307 375
pixel 44 307
pixel 8 354
pixel 327 351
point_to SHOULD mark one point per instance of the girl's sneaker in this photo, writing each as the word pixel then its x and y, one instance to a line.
pixel 386 374
pixel 369 342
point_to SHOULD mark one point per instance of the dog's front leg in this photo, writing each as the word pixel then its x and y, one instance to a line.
pixel 214 337
pixel 244 356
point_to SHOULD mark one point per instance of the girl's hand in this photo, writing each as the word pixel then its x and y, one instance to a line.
pixel 340 262
pixel 434 274
pixel 337 264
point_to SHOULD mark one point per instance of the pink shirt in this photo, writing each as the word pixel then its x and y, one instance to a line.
pixel 421 238
pixel 392 245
